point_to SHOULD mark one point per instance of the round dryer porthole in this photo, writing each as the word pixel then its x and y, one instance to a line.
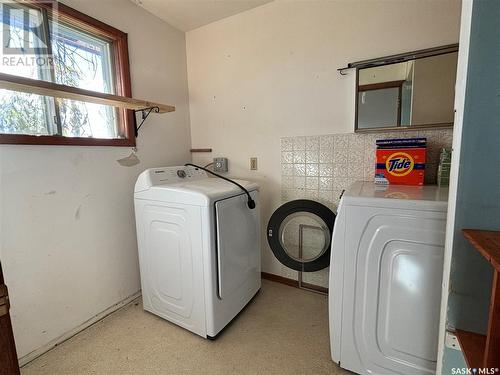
pixel 300 235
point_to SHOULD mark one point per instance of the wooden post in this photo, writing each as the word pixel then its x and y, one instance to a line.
pixel 9 364
pixel 492 350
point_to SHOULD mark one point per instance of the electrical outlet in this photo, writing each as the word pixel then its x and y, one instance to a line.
pixel 221 165
pixel 253 164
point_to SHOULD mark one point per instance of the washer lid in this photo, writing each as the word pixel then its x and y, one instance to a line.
pixel 195 188
pixel 427 197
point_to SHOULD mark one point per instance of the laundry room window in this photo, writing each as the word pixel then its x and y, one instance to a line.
pixel 48 41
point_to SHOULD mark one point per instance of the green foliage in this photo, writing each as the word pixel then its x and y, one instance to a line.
pixel 22 113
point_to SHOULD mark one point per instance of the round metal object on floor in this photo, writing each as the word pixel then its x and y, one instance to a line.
pixel 300 233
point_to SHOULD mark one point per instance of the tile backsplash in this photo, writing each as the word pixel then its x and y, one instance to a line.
pixel 320 167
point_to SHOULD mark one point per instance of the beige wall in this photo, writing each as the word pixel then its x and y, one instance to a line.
pixel 271 72
pixel 67 230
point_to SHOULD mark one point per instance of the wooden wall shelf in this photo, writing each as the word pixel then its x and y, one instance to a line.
pixel 487 243
pixel 44 88
pixel 480 350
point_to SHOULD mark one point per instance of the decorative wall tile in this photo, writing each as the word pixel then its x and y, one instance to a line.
pixel 368 171
pixel 287 182
pixel 340 155
pixel 287 194
pixel 356 143
pixel 312 143
pixel 326 156
pixel 341 141
pixel 326 143
pixel 299 170
pixel 326 183
pixel 299 143
pixel 339 184
pixel 356 170
pixel 321 167
pixel 312 183
pixel 312 194
pixel 312 156
pixel 447 138
pixel 370 139
pixel 349 157
pixel 326 197
pixel 356 156
pixel 326 170
pixel 312 169
pixel 299 156
pixel 299 182
pixel 336 193
pixel 339 170
pixel 287 157
pixel 286 144
pixel 287 169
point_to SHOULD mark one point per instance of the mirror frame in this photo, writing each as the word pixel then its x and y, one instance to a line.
pixel 395 59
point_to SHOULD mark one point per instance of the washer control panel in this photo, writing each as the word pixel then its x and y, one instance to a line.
pixel 175 174
pixel 168 175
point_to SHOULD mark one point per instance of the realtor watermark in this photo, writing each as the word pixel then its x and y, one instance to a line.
pixel 475 371
pixel 27 61
pixel 26 33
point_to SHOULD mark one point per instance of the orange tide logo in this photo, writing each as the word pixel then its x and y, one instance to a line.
pixel 400 164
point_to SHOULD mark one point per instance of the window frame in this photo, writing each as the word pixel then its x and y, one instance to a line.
pixel 120 61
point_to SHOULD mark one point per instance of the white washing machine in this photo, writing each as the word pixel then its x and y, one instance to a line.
pixel 385 278
pixel 199 247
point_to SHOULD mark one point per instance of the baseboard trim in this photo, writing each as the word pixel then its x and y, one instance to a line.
pixel 291 282
pixel 23 361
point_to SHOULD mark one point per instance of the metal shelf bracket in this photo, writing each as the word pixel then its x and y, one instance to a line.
pixel 145 112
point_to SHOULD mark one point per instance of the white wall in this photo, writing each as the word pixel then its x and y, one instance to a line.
pixel 270 72
pixel 68 243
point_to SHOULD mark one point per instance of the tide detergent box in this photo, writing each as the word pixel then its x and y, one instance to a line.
pixel 401 161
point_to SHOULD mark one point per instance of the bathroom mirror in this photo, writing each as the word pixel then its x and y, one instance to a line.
pixel 407 91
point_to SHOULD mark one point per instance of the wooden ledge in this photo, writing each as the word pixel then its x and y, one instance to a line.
pixel 487 243
pixel 44 88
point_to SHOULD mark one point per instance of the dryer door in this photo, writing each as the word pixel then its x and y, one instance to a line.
pixel 238 244
pixel 393 274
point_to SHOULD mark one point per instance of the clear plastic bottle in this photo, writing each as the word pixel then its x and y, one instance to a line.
pixel 444 169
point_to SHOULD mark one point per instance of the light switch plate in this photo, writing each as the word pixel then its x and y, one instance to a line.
pixel 221 165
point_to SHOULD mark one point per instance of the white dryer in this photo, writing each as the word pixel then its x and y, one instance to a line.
pixel 199 247
pixel 385 278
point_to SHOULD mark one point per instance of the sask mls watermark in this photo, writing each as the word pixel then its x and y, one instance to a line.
pixel 475 371
pixel 26 33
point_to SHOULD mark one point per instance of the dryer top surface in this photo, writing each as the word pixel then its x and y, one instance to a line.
pixel 397 196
